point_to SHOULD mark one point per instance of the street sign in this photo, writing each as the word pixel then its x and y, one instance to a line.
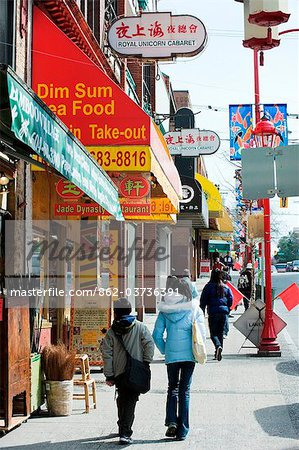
pixel 287 168
pixel 192 142
pixel 259 166
pixel 204 267
pixel 251 323
pixel 258 173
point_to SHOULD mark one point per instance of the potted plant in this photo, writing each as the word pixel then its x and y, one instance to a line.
pixel 59 366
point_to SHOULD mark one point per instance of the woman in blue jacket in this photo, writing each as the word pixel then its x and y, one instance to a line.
pixel 177 312
pixel 218 299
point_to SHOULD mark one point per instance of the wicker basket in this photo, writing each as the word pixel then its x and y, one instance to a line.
pixel 59 397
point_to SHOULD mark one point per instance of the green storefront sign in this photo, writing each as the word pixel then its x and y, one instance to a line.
pixel 33 124
pixel 220 246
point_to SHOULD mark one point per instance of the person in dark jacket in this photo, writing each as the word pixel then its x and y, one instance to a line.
pixel 217 298
pixel 228 261
pixel 138 341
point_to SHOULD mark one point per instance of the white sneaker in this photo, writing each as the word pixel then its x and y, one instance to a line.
pixel 125 440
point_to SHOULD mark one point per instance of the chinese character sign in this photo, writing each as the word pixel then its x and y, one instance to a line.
pixel 240 126
pixel 66 189
pixel 158 35
pixel 278 115
pixel 192 142
pixel 134 186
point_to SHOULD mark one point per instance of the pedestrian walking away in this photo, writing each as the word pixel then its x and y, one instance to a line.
pixel 125 334
pixel 228 261
pixel 218 299
pixel 225 278
pixel 245 284
pixel 176 315
pixel 187 278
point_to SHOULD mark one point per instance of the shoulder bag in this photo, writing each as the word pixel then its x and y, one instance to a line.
pixel 137 374
pixel 198 342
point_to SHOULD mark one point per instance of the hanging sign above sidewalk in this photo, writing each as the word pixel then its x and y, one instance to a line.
pixel 157 36
pixel 192 142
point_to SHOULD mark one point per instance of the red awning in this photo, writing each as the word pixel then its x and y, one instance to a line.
pixel 93 107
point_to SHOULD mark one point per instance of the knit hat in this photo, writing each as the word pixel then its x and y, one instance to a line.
pixel 122 307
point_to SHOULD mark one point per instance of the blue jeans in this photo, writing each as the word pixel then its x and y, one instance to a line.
pixel 178 396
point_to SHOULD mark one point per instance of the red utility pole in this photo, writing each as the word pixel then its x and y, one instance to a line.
pixel 268 345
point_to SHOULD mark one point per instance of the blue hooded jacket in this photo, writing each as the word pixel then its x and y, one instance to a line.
pixel 176 319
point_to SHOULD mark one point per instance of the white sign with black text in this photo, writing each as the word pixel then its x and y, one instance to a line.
pixel 157 35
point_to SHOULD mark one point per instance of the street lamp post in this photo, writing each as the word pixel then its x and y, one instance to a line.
pixel 261 19
pixel 265 136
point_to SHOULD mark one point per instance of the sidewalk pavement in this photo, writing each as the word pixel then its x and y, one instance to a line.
pixel 241 402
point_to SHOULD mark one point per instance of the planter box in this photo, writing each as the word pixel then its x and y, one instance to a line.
pixel 59 397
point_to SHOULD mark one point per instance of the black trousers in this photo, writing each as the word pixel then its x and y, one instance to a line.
pixel 216 325
pixel 126 403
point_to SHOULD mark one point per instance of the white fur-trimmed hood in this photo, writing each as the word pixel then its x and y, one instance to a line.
pixel 168 307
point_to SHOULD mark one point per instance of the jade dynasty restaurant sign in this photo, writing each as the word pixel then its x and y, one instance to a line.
pixel 158 35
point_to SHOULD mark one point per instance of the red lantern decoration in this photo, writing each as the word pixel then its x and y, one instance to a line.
pixel 265 133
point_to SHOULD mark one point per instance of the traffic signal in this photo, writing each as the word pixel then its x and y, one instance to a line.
pixel 284 202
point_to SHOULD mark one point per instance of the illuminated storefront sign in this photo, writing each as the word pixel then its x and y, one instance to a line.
pixel 134 187
pixel 155 206
pixel 133 158
pixel 93 209
pixel 158 35
pixel 66 189
pixel 192 142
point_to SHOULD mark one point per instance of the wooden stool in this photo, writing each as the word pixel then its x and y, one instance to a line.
pixel 82 364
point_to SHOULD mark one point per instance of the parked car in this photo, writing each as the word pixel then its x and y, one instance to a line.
pixel 289 266
pixel 273 269
pixel 281 267
pixel 296 265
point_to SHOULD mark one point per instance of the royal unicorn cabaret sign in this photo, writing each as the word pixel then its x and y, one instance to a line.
pixel 158 36
pixel 192 142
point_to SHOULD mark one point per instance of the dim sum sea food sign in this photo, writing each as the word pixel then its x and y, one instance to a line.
pixel 158 36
